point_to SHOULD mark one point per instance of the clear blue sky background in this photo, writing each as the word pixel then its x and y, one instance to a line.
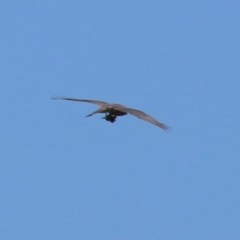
pixel 64 176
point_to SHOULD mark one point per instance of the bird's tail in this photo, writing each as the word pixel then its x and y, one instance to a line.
pixel 95 112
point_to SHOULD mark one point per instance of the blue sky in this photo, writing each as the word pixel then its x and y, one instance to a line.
pixel 64 176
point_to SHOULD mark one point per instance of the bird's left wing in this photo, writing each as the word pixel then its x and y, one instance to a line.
pixel 96 102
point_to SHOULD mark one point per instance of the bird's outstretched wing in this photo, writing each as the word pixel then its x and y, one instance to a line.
pixel 141 115
pixel 96 102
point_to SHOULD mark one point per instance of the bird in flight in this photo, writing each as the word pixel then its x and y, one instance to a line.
pixel 112 111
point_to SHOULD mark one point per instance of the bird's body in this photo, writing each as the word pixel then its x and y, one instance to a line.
pixel 112 111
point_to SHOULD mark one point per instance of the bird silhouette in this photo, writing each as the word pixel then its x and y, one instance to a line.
pixel 112 111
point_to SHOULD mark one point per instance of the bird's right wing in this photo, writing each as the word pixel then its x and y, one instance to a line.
pixel 141 115
pixel 96 102
pixel 146 117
